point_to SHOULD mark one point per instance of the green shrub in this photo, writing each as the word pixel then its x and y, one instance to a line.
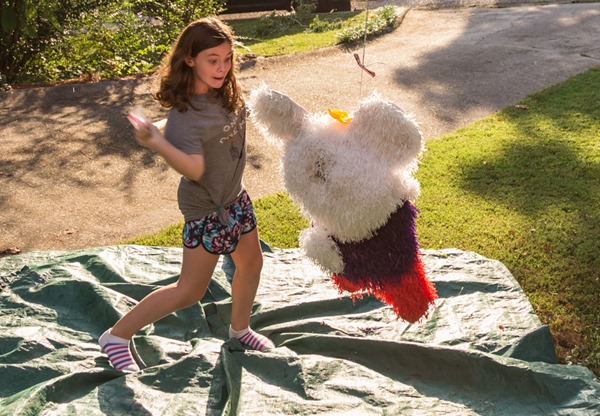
pixel 136 46
pixel 380 22
pixel 319 26
pixel 52 40
pixel 176 14
pixel 28 29
pixel 275 23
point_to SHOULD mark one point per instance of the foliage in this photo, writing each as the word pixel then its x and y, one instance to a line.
pixel 176 14
pixel 137 45
pixel 277 24
pixel 28 28
pixel 51 40
pixel 274 23
pixel 105 39
pixel 319 26
pixel 277 34
pixel 380 22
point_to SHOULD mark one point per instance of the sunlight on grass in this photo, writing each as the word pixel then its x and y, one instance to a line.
pixel 167 237
pixel 523 187
pixel 279 220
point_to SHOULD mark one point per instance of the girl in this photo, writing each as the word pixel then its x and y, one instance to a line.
pixel 204 140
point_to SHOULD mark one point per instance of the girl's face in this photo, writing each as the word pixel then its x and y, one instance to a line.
pixel 210 67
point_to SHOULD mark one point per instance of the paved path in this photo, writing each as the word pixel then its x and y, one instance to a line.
pixel 71 176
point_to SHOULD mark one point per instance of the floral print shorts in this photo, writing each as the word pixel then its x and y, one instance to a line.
pixel 215 237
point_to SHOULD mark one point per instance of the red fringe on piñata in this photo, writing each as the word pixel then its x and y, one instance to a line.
pixel 345 285
pixel 409 295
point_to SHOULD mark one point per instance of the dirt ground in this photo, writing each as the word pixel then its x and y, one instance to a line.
pixel 71 175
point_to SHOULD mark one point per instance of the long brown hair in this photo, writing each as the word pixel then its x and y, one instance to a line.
pixel 177 78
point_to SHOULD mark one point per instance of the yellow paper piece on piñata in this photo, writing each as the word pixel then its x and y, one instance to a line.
pixel 339 115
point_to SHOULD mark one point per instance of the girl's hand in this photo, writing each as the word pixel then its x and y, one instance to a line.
pixel 148 135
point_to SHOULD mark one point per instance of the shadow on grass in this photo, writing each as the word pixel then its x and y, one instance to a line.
pixel 547 174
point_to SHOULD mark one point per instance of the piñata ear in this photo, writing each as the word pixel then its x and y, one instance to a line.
pixel 386 129
pixel 277 116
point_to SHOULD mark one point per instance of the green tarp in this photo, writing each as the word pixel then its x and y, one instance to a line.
pixel 482 351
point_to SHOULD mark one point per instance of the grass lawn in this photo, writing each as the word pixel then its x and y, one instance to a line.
pixel 292 39
pixel 523 186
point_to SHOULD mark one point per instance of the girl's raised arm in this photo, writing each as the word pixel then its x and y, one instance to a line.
pixel 189 165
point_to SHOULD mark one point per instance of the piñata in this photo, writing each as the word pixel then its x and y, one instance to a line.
pixel 353 176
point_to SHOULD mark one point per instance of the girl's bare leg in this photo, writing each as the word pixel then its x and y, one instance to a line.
pixel 248 261
pixel 196 271
pixel 248 264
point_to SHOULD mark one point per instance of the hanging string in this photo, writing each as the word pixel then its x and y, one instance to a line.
pixel 357 58
pixel 366 30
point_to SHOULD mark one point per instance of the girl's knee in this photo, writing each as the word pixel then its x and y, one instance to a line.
pixel 249 269
pixel 258 263
pixel 187 297
pixel 253 265
pixel 248 263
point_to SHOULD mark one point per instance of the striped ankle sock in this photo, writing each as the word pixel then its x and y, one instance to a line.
pixel 251 339
pixel 118 352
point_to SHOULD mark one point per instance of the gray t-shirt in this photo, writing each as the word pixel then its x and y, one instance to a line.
pixel 211 131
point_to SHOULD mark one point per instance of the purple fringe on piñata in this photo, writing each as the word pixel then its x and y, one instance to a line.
pixel 391 251
pixel 388 265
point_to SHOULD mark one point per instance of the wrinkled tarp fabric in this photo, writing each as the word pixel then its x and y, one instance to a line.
pixel 482 350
